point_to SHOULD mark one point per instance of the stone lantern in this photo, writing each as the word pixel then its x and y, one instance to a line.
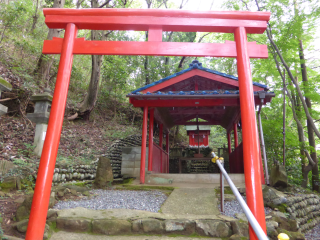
pixel 40 117
pixel 4 86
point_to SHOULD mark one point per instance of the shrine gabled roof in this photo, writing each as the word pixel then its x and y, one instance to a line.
pixel 194 65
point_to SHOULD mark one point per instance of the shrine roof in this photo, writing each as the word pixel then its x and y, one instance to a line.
pixel 194 127
pixel 194 65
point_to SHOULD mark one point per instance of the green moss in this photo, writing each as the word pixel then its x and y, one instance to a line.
pixel 282 208
pixel 5 83
pixel 128 181
pixel 227 190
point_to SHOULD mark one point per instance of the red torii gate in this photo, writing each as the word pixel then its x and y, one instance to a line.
pixel 154 21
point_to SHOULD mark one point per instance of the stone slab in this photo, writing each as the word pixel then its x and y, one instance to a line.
pixel 195 201
pixel 3 110
pixel 237 178
pixel 81 236
pixel 80 212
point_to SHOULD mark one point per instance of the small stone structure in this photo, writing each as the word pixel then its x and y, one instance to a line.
pixel 4 86
pixel 131 158
pixel 41 118
pixel 104 175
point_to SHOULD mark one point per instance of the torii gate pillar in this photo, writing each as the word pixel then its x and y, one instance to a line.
pixel 249 131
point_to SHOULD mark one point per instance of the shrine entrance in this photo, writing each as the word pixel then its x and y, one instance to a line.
pixel 155 21
pixel 197 98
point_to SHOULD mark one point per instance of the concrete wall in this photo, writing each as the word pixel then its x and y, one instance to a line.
pixel 130 164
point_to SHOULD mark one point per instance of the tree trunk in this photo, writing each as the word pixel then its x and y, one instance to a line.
pixel 90 100
pixel 35 17
pixel 45 62
pixel 304 153
pixel 315 170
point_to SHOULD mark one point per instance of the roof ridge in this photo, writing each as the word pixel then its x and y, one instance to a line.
pixel 194 65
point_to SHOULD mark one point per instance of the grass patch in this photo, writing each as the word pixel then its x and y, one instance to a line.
pixel 227 190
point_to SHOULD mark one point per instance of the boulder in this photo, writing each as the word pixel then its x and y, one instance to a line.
pixel 22 226
pixel 23 210
pixel 273 198
pixel 11 183
pixel 152 226
pixel 272 230
pixel 179 226
pixel 111 227
pixel 104 174
pixel 240 228
pixel 278 176
pixel 74 224
pixel 213 228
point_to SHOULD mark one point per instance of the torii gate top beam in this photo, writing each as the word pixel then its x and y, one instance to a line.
pixel 155 21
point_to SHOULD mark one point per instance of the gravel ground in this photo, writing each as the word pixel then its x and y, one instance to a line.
pixel 110 199
pixel 313 234
pixel 233 207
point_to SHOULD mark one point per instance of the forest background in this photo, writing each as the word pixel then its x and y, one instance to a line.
pixel 99 84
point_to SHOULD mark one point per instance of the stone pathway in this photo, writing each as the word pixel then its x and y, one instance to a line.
pixel 201 201
pixel 81 236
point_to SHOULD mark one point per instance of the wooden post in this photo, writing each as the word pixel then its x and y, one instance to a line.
pixel 167 150
pixel 161 145
pixel 144 145
pixel 150 153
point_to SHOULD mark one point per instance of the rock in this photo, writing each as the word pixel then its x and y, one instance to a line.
pixel 274 198
pixel 292 235
pixel 240 228
pixel 60 194
pixel 11 183
pixel 179 226
pixel 22 225
pixel 104 174
pixel 241 216
pixel 278 177
pixel 152 226
pixel 23 210
pixel 46 232
pixel 52 213
pixel 284 223
pixel 74 224
pixel 86 193
pixel 111 227
pixel 73 192
pixel 213 228
pixel 272 229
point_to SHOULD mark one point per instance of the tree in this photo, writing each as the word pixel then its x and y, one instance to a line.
pixel 45 62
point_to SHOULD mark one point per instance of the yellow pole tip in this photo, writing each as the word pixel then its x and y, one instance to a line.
pixel 283 236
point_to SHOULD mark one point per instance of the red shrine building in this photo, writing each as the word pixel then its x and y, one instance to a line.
pixel 194 93
pixel 198 136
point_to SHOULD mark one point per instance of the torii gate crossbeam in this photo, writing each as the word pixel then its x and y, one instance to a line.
pixel 153 21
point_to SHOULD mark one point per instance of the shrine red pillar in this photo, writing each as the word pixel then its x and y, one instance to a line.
pixel 235 133
pixel 42 191
pixel 249 132
pixel 236 164
pixel 151 121
pixel 231 163
pixel 144 145
pixel 160 144
pixel 167 150
pixel 229 142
